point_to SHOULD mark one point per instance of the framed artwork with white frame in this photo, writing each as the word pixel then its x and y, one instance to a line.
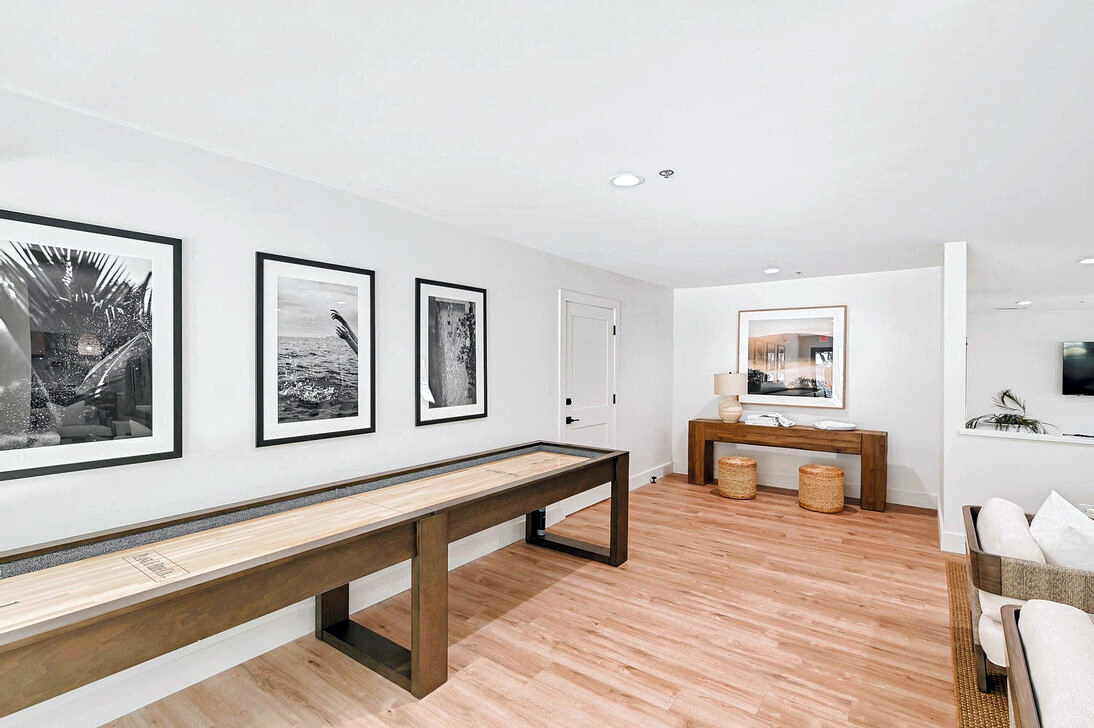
pixel 450 352
pixel 90 346
pixel 316 350
pixel 803 360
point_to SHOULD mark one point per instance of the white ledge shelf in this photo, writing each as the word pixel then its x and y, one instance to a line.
pixel 1027 436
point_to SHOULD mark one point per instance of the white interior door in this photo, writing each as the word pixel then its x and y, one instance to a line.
pixel 589 332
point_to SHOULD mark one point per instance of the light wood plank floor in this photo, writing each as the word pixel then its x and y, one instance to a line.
pixel 728 613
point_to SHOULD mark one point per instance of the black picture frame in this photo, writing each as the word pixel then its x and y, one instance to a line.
pixel 261 439
pixel 175 378
pixel 418 323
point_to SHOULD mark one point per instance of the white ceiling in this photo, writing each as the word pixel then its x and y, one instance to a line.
pixel 821 137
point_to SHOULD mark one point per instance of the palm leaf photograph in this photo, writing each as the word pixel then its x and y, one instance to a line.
pixel 85 313
pixel 77 345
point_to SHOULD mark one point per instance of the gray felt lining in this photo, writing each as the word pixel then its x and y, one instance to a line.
pixel 143 538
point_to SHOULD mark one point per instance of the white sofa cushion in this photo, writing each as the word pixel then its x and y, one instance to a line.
pixel 992 604
pixel 1059 647
pixel 1064 534
pixel 991 639
pixel 1003 530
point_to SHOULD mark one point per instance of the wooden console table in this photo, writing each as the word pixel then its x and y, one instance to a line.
pixel 76 611
pixel 873 446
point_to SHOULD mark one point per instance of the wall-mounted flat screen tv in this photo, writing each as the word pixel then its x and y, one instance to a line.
pixel 1079 367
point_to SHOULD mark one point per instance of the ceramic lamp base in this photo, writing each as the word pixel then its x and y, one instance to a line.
pixel 730 409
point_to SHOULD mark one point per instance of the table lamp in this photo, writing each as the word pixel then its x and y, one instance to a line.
pixel 729 386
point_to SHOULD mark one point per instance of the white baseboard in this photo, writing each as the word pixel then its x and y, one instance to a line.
pixel 915 498
pixel 787 479
pixel 112 697
pixel 643 478
pixel 952 541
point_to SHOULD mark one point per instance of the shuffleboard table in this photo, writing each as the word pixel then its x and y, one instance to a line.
pixel 76 611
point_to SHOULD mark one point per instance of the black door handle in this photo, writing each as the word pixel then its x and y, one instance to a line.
pixel 571 420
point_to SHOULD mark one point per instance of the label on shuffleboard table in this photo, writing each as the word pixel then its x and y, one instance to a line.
pixel 498 471
pixel 156 566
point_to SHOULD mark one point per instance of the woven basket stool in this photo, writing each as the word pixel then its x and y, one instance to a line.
pixel 737 478
pixel 820 488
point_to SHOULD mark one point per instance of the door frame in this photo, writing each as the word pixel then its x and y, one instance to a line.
pixel 567 296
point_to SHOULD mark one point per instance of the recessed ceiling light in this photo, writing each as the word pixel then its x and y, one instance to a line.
pixel 627 179
pixel 1023 303
pixel 771 271
pixel 1085 261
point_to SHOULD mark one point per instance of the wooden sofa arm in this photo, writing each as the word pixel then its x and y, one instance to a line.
pixel 1023 702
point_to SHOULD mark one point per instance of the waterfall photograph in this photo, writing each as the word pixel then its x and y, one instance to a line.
pixel 451 348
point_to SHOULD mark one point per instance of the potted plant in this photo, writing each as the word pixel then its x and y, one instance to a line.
pixel 1012 417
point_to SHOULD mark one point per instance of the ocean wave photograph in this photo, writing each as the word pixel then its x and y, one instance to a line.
pixel 316 379
pixel 317 360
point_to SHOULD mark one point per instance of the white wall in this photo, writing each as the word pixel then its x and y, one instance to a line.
pixel 62 164
pixel 1020 350
pixel 894 371
pixel 980 466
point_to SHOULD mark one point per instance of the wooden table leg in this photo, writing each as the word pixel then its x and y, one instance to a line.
pixel 424 667
pixel 331 608
pixel 535 525
pixel 700 455
pixel 621 493
pixel 874 474
pixel 429 607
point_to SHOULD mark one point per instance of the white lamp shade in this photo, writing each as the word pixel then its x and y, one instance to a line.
pixel 730 384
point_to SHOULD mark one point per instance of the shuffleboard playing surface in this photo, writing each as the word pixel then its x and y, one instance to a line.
pixel 30 600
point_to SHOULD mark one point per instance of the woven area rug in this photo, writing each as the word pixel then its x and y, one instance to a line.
pixel 974 708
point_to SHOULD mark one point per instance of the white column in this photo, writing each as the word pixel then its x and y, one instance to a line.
pixel 954 295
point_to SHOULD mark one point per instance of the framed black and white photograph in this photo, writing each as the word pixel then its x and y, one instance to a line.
pixel 90 346
pixel 316 350
pixel 793 356
pixel 450 352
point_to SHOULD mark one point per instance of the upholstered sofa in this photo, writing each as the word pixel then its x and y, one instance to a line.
pixel 997 581
pixel 1050 653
